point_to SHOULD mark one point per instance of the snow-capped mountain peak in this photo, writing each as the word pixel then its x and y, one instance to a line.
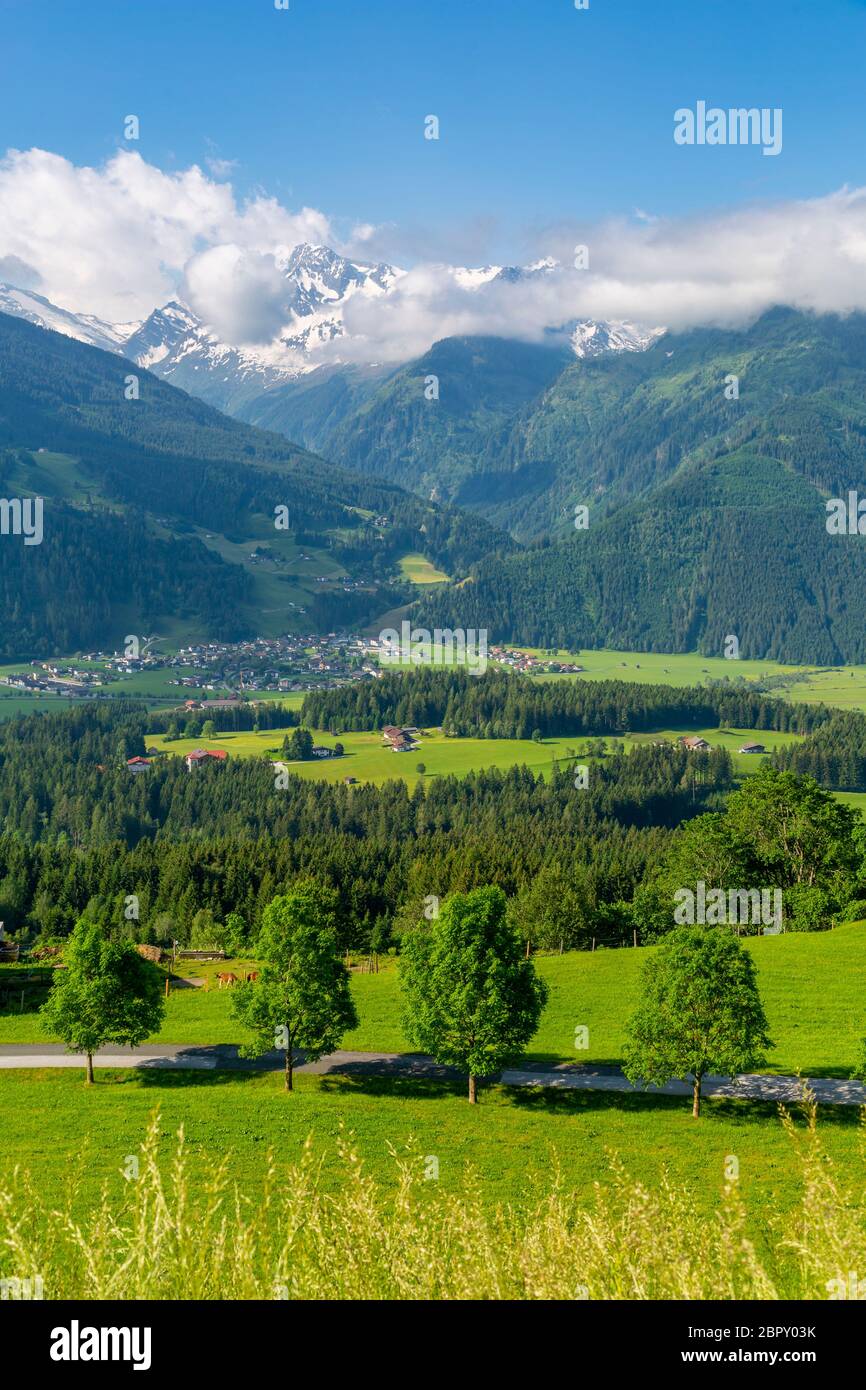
pixel 176 343
pixel 27 304
pixel 591 339
pixel 317 277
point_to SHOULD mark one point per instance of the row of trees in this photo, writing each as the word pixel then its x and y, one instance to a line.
pixel 471 999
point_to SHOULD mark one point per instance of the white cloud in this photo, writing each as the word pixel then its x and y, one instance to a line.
pixel 239 293
pixel 220 168
pixel 119 240
pixel 722 269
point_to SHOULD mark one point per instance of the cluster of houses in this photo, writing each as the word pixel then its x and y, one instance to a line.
pixel 401 740
pixel 52 678
pixel 525 664
pixel 291 662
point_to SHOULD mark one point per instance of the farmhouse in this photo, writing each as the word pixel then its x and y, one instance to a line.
pixel 401 740
pixel 203 755
pixel 319 751
pixel 753 748
pixel 229 702
pixel 694 745
pixel 137 764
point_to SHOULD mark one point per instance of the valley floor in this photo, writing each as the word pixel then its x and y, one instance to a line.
pixel 368 760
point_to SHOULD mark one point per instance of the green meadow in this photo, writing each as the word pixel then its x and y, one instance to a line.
pixel 419 570
pixel 841 686
pixel 77 1141
pixel 368 760
pixel 70 1137
pixel 657 668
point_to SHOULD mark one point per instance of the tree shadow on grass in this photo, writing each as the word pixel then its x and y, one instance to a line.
pixel 395 1087
pixel 615 1064
pixel 333 1083
pixel 741 1112
pixel 179 1078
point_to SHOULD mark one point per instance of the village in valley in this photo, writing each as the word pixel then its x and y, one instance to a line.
pixel 261 665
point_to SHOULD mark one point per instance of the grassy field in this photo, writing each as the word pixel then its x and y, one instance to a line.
pixel 368 760
pixel 419 570
pixel 657 668
pixel 13 704
pixel 842 686
pixel 77 1140
pixel 813 986
pixel 513 1140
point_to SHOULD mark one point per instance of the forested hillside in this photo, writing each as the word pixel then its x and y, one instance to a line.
pixel 443 419
pixel 524 433
pixel 81 832
pixel 604 855
pixel 704 464
pixel 677 576
pixel 177 485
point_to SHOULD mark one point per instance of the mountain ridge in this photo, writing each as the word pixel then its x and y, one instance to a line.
pixel 161 504
pixel 317 286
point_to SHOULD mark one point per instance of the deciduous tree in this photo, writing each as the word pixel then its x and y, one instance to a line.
pixel 471 1000
pixel 106 994
pixel 700 1012
pixel 301 998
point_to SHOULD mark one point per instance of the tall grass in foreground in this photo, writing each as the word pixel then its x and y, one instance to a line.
pixel 182 1230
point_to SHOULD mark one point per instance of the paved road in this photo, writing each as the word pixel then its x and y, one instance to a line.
pixel 563 1076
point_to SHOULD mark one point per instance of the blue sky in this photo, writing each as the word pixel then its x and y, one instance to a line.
pixel 547 114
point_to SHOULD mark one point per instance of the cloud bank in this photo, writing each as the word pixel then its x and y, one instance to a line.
pixel 121 240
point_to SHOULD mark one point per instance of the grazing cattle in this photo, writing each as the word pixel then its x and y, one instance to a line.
pixel 252 975
pixel 226 978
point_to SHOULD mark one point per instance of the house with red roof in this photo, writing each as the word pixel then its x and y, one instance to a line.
pixel 138 764
pixel 203 755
